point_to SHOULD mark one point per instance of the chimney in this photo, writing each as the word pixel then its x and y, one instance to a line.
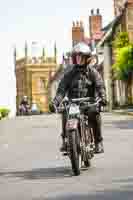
pixel 95 22
pixel 77 32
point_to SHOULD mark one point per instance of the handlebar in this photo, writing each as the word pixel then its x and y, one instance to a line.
pixel 80 101
pixel 94 104
pixel 86 100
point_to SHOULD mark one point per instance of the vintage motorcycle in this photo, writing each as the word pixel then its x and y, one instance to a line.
pixel 79 133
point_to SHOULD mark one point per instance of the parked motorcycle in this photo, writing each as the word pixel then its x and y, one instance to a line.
pixel 79 133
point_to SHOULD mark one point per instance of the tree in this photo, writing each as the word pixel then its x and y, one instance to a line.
pixel 124 62
pixel 121 40
pixel 123 67
pixel 123 50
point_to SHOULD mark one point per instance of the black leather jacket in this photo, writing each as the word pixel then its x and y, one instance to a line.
pixel 80 82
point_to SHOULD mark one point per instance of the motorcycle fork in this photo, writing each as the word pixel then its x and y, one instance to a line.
pixel 69 128
pixel 87 139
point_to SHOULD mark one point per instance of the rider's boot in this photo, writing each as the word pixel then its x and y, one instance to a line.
pixel 63 147
pixel 99 148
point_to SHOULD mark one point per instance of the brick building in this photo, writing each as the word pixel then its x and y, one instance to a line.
pixel 95 26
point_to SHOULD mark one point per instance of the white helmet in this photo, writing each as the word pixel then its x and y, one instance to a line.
pixel 25 97
pixel 82 48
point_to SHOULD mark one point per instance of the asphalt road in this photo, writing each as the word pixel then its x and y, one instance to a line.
pixel 32 168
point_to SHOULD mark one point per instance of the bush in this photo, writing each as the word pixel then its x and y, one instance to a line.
pixel 4 112
pixel 124 62
pixel 123 65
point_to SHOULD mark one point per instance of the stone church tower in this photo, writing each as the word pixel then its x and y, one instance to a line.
pixel 32 77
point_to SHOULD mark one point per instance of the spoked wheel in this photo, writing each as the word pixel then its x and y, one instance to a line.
pixel 85 160
pixel 74 152
pixel 88 139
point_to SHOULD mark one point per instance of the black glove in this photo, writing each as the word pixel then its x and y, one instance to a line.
pixel 52 107
pixel 103 102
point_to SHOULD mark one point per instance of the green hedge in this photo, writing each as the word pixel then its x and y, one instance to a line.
pixel 4 112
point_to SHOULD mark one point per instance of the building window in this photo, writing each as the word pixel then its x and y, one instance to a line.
pixel 42 84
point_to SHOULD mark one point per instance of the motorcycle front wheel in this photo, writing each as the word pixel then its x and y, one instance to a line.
pixel 74 151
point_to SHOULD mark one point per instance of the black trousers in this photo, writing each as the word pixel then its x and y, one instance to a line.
pixel 94 119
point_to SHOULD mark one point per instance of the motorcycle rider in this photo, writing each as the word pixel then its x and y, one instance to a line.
pixel 83 80
pixel 24 105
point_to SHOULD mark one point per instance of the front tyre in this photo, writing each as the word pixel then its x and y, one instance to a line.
pixel 74 151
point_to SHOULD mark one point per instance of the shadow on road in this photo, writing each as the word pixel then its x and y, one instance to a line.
pixel 107 195
pixel 43 173
pixel 123 192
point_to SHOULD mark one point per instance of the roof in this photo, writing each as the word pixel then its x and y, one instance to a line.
pixel 112 23
pixel 108 26
pixel 109 30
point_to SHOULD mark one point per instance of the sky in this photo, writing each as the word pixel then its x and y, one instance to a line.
pixel 44 22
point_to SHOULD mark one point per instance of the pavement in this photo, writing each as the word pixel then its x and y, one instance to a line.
pixel 32 168
pixel 128 111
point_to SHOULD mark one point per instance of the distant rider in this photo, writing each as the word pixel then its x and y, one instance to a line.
pixel 24 105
